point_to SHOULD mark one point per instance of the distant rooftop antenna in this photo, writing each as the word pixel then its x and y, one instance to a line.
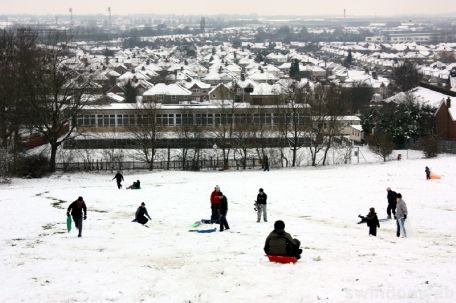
pixel 345 15
pixel 109 12
pixel 71 16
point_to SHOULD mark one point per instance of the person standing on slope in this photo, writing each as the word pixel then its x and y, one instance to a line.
pixel 215 205
pixel 78 211
pixel 391 197
pixel 428 173
pixel 372 221
pixel 119 178
pixel 223 212
pixel 261 205
pixel 401 216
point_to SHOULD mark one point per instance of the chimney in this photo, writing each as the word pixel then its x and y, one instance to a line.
pixel 448 102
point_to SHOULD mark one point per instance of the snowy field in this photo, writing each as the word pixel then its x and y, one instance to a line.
pixel 120 261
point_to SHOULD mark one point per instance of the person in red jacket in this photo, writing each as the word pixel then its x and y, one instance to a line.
pixel 215 205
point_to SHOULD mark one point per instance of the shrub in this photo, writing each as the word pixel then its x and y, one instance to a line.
pixel 429 145
pixel 35 166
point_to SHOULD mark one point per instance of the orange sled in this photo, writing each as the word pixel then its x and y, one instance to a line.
pixel 435 177
pixel 282 259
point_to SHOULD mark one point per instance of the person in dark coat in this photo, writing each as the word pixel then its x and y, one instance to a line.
pixel 391 196
pixel 372 221
pixel 142 216
pixel 261 205
pixel 428 173
pixel 136 185
pixel 223 212
pixel 119 178
pixel 78 211
pixel 265 163
pixel 215 205
pixel 280 243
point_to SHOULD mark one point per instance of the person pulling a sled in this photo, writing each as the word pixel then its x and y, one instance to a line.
pixel 428 173
pixel 78 211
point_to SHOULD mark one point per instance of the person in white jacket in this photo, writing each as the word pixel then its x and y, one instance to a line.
pixel 401 216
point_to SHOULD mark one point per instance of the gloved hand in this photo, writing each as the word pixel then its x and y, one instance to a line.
pixel 405 217
pixel 85 217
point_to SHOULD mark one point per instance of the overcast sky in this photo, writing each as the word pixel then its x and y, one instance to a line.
pixel 207 7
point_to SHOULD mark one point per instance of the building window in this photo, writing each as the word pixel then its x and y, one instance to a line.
pixel 80 121
pixel 218 119
pixel 100 120
pixel 173 98
pixel 210 119
pixel 112 120
pixel 178 119
pixel 106 120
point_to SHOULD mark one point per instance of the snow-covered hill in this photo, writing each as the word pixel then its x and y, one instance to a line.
pixel 120 261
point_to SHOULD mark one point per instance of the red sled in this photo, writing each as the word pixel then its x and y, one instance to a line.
pixel 282 259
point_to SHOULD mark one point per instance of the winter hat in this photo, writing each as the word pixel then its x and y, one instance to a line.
pixel 217 187
pixel 143 204
pixel 279 225
pixel 372 210
pixel 388 188
pixel 80 198
pixel 399 196
pixel 261 189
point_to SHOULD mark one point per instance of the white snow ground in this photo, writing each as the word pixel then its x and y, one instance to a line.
pixel 120 261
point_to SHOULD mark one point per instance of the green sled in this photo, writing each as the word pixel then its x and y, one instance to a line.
pixel 69 223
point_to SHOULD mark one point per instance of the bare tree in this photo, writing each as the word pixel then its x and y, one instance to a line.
pixel 333 118
pixel 184 132
pixel 55 94
pixel 296 115
pixel 224 127
pixel 318 120
pixel 381 144
pixel 146 131
pixel 16 49
pixel 245 133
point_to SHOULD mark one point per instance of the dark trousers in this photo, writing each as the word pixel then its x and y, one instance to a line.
pixel 78 223
pixel 373 230
pixel 428 176
pixel 142 220
pixel 223 223
pixel 215 213
pixel 119 184
pixel 296 251
pixel 391 207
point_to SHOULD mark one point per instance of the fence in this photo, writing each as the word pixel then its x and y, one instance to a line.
pixel 447 147
pixel 194 165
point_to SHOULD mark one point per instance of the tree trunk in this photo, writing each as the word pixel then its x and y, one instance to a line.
pixel 54 146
